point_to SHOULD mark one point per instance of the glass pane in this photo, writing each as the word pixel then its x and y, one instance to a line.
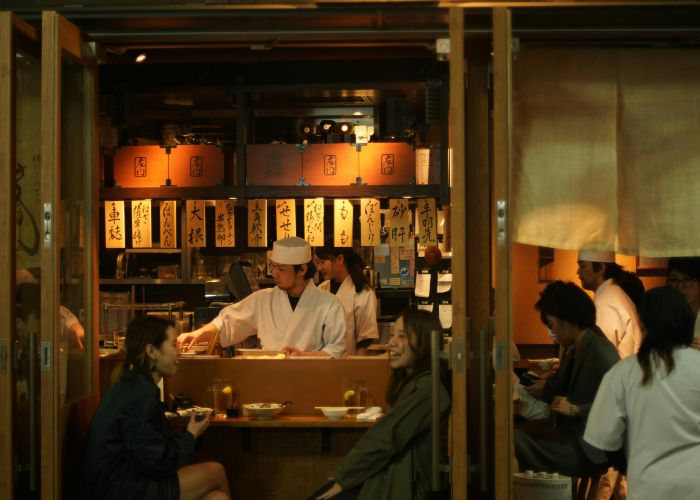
pixel 28 254
pixel 73 362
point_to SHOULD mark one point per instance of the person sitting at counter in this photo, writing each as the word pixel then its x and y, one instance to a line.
pixel 294 316
pixel 342 268
pixel 393 458
pixel 684 274
pixel 571 315
pixel 131 452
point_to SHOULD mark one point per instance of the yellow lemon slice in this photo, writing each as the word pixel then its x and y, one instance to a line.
pixel 226 390
pixel 348 394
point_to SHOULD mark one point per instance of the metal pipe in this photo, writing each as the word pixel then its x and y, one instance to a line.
pixel 435 347
pixel 483 402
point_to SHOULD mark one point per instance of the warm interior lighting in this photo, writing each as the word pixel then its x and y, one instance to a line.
pixel 141 57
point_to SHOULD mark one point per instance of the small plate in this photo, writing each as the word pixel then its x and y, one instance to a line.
pixel 262 411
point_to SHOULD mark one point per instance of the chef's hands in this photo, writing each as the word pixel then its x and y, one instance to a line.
pixel 330 493
pixel 292 351
pixel 561 405
pixel 696 343
pixel 195 427
pixel 535 390
pixel 186 340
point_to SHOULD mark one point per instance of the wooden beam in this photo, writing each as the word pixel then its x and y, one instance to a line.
pixel 460 465
pixel 479 258
pixel 502 147
pixel 50 263
pixel 7 248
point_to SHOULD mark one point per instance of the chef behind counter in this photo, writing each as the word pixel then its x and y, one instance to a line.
pixel 294 316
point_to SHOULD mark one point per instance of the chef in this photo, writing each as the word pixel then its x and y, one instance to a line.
pixel 294 316
pixel 342 268
pixel 616 314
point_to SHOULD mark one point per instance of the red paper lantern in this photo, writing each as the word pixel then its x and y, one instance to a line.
pixel 433 255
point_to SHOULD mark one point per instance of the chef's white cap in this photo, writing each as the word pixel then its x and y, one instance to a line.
pixel 596 256
pixel 291 251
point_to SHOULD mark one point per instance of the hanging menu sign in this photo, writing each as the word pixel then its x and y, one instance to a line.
pixel 342 223
pixel 426 213
pixel 168 226
pixel 400 217
pixel 196 228
pixel 370 222
pixel 257 223
pixel 141 224
pixel 224 233
pixel 286 219
pixel 114 224
pixel 313 221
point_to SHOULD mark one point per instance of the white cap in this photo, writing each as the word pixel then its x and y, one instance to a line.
pixel 291 251
pixel 596 256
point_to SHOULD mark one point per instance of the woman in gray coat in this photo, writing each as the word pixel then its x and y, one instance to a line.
pixel 392 460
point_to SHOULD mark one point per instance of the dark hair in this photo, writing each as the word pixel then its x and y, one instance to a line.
pixel 689 266
pixel 568 302
pixel 668 323
pixel 353 262
pixel 310 269
pixel 418 325
pixel 142 331
pixel 627 280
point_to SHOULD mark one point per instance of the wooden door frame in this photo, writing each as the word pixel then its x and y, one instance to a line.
pixel 10 27
pixel 502 165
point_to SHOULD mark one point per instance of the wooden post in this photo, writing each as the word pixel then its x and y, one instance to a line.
pixel 502 147
pixel 460 466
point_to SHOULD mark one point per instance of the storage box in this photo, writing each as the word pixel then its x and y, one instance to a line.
pixel 147 166
pixel 387 163
pixel 272 164
pixel 330 164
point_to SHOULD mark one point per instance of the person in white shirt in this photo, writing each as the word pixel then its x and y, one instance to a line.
pixel 294 316
pixel 684 274
pixel 342 269
pixel 616 313
pixel 649 404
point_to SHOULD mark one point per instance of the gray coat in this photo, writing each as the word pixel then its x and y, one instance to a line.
pixel 591 361
pixel 392 459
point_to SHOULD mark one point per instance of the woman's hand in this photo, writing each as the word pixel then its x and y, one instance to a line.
pixel 535 390
pixel 333 491
pixel 562 406
pixel 195 427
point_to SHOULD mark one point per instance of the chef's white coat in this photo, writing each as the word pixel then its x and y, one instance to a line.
pixel 360 313
pixel 316 324
pixel 617 316
pixel 659 423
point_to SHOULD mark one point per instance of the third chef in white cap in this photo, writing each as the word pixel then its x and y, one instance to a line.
pixel 616 314
pixel 294 316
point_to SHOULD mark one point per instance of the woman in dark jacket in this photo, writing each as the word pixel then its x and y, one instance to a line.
pixel 392 460
pixel 130 452
pixel 570 314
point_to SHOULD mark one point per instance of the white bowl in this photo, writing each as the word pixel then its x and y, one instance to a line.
pixel 334 412
pixel 262 411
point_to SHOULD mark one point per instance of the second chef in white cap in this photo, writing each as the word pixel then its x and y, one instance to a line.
pixel 294 316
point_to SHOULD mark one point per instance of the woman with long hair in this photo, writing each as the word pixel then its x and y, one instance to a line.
pixel 650 403
pixel 343 271
pixel 393 458
pixel 130 451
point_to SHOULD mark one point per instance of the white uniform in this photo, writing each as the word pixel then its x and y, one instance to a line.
pixel 316 324
pixel 617 316
pixel 360 313
pixel 660 424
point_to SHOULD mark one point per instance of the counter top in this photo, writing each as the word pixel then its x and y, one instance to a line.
pixel 289 421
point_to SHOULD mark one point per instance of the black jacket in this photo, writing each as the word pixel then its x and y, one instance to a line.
pixel 130 452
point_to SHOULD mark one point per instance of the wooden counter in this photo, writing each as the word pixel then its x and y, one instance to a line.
pixel 292 421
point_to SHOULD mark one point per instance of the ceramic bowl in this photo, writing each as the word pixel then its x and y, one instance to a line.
pixel 262 411
pixel 334 412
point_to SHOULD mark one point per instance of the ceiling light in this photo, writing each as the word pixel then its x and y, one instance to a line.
pixel 141 57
